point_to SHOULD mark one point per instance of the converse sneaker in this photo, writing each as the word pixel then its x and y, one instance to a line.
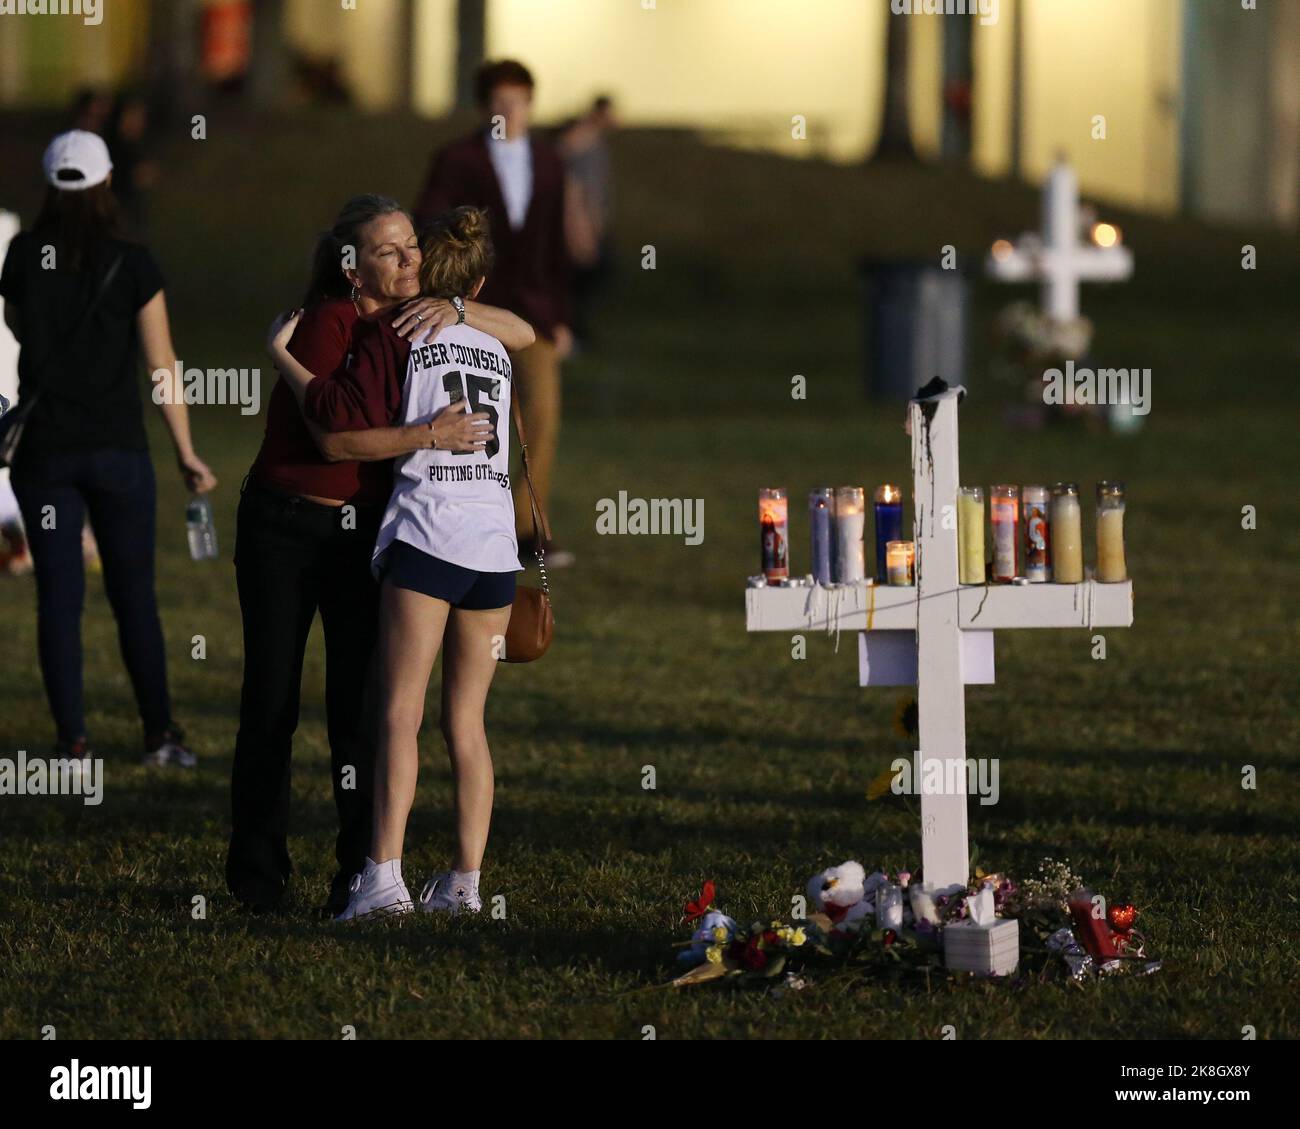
pixel 442 895
pixel 168 747
pixel 378 890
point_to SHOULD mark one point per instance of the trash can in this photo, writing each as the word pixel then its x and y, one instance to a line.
pixel 916 326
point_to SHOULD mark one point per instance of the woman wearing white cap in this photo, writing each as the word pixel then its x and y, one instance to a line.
pixel 85 305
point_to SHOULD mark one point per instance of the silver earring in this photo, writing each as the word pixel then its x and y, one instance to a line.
pixel 356 292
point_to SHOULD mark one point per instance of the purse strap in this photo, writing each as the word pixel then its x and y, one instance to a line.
pixel 541 526
pixel 84 320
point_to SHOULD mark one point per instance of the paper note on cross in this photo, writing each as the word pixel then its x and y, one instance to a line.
pixel 942 628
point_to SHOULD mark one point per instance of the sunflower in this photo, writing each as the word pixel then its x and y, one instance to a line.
pixel 905 718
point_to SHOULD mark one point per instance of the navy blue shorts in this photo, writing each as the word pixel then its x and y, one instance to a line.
pixel 405 566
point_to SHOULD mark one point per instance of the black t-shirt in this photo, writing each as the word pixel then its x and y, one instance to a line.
pixel 90 390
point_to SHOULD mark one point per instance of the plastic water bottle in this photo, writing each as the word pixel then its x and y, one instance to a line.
pixel 199 528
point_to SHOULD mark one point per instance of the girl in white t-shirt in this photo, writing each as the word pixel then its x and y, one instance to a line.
pixel 447 557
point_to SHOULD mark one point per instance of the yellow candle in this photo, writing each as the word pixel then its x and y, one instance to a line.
pixel 970 534
pixel 899 561
pixel 1067 534
pixel 1111 567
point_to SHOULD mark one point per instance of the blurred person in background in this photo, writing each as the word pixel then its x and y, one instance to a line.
pixel 135 172
pixel 84 305
pixel 309 515
pixel 15 558
pixel 91 109
pixel 520 180
pixel 584 145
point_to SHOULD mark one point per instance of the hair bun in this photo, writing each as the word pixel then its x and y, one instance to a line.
pixel 468 224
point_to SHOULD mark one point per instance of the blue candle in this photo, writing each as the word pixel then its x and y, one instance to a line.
pixel 889 525
pixel 821 505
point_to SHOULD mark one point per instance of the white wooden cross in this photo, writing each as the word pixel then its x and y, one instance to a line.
pixel 942 628
pixel 1057 257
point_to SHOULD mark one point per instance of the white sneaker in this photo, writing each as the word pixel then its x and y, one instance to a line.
pixel 440 896
pixel 379 891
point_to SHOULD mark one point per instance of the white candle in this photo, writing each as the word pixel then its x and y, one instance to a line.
pixel 850 521
pixel 1067 535
pixel 889 907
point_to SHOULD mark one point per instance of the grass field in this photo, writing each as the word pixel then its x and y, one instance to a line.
pixel 1130 768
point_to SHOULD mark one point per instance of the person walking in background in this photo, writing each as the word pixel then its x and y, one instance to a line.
pixel 520 180
pixel 135 172
pixel 14 556
pixel 584 145
pixel 84 304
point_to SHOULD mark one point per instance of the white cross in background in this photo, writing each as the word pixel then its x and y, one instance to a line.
pixel 938 633
pixel 1057 257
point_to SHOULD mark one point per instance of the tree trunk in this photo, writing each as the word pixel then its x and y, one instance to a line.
pixel 896 131
pixel 958 88
pixel 471 45
pixel 268 65
pixel 172 66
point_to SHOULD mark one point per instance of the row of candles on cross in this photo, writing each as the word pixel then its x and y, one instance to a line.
pixel 1037 535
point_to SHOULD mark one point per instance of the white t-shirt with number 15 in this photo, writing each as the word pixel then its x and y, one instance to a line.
pixel 456 507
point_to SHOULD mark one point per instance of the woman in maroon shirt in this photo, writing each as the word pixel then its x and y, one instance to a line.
pixel 308 517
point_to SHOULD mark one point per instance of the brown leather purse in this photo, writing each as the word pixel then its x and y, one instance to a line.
pixel 532 623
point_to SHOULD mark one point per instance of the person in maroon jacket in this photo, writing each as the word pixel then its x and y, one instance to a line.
pixel 308 517
pixel 520 180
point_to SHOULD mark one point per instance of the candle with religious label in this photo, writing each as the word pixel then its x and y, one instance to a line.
pixel 889 523
pixel 1066 534
pixel 1004 514
pixel 821 512
pixel 970 534
pixel 1111 566
pixel 900 561
pixel 773 517
pixel 850 524
pixel 1035 501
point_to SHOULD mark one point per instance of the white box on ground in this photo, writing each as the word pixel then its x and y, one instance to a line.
pixel 987 949
pixel 888 658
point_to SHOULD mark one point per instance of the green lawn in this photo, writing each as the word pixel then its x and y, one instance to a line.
pixel 1130 767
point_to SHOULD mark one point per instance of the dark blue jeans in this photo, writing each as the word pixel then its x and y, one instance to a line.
pixel 116 488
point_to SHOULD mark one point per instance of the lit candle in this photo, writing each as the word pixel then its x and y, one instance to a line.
pixel 889 522
pixel 1111 567
pixel 900 558
pixel 821 510
pixel 773 517
pixel 850 522
pixel 1004 513
pixel 1066 534
pixel 970 533
pixel 1038 565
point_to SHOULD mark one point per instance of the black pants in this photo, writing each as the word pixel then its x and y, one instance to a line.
pixel 116 488
pixel 292 559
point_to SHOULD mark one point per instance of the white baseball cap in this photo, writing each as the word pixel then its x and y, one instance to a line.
pixel 77 160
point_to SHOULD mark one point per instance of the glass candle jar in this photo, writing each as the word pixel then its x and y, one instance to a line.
pixel 970 534
pixel 1111 565
pixel 1004 514
pixel 900 562
pixel 821 525
pixel 1066 534
pixel 1034 505
pixel 850 522
pixel 774 526
pixel 889 522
